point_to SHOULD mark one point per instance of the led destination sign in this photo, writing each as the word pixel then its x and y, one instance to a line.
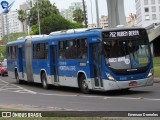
pixel 115 34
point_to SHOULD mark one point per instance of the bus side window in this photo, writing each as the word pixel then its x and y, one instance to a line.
pixel 61 49
pixel 34 51
pixel 9 53
pixel 41 51
pixel 46 50
pixel 71 49
pixel 13 52
pixel 83 48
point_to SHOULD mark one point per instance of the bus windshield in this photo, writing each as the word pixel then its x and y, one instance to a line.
pixel 127 54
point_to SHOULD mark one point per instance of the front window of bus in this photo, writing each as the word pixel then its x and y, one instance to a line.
pixel 130 54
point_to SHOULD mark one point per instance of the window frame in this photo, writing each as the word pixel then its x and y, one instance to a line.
pixel 38 53
pixel 67 53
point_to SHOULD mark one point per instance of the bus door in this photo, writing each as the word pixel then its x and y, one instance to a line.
pixel 96 64
pixel 20 60
pixel 54 63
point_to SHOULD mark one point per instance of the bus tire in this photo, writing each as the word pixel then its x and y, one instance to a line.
pixel 44 81
pixel 18 81
pixel 83 85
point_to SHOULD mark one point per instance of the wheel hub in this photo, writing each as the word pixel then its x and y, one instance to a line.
pixel 84 84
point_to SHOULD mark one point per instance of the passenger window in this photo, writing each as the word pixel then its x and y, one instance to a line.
pixel 12 52
pixel 71 49
pixel 40 51
pixel 62 50
pixel 82 48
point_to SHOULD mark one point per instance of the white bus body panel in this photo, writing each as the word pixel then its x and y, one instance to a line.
pixel 68 81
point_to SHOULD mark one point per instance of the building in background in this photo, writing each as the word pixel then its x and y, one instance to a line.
pixel 1 27
pixel 68 13
pixel 31 3
pixel 103 21
pixel 90 26
pixel 13 24
pixel 148 12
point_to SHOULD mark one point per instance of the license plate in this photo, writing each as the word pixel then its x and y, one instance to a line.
pixel 133 83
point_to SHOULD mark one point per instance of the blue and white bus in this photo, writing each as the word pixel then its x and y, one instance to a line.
pixel 91 59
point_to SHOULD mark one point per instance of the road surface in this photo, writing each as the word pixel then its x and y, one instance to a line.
pixel 33 97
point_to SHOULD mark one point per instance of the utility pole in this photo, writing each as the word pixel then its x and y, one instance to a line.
pixel 97 13
pixel 116 14
pixel 84 10
pixel 39 24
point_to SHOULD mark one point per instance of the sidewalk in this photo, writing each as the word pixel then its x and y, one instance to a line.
pixel 157 79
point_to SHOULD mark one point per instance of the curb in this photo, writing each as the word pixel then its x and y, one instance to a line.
pixel 157 79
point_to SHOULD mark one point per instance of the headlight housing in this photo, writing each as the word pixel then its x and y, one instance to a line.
pixel 110 77
pixel 150 74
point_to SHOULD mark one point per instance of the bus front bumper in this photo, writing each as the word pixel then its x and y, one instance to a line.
pixel 114 85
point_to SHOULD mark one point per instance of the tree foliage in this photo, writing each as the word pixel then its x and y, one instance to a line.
pixel 45 9
pixel 2 52
pixel 12 37
pixel 78 16
pixel 22 16
pixel 55 22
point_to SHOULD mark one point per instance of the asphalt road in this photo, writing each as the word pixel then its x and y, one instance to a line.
pixel 33 97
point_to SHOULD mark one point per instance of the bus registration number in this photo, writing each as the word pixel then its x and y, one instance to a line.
pixel 133 83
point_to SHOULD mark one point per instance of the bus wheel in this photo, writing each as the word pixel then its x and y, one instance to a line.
pixel 44 81
pixel 17 78
pixel 83 85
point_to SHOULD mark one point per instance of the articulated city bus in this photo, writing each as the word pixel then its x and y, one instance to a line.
pixel 92 59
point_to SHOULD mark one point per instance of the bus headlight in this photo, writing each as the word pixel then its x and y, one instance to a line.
pixel 150 74
pixel 110 77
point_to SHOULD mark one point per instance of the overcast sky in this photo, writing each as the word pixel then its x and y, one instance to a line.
pixel 64 4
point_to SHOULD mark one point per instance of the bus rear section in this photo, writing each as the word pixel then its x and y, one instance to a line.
pixel 127 60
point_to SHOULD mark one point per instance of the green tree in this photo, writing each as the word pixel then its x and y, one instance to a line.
pixel 75 25
pixel 78 16
pixel 55 22
pixel 22 16
pixel 35 30
pixel 2 52
pixel 12 36
pixel 45 9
